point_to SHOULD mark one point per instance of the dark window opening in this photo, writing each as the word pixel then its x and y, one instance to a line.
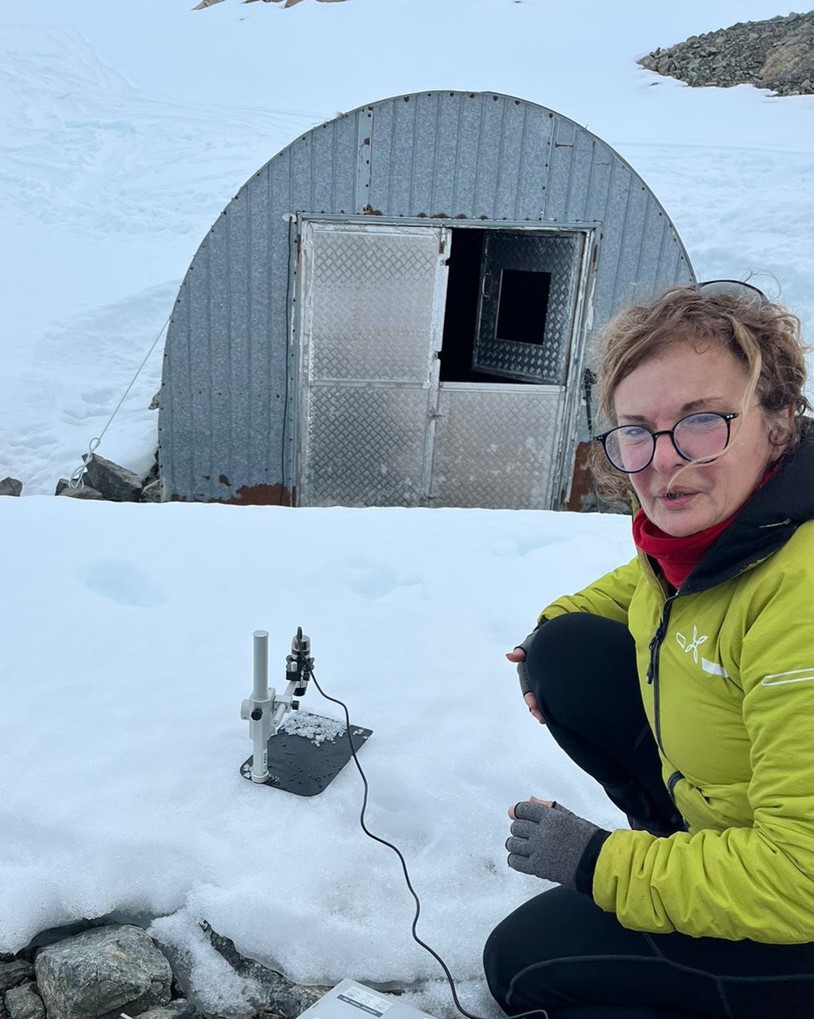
pixel 523 305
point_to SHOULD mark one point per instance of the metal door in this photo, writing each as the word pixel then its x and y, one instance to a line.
pixel 372 303
pixel 502 445
pixel 529 285
pixel 497 446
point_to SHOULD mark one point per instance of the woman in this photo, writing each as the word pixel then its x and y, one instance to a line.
pixel 684 683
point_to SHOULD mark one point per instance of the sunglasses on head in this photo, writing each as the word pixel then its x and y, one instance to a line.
pixel 736 288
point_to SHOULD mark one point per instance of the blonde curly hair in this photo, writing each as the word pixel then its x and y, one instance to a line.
pixel 764 336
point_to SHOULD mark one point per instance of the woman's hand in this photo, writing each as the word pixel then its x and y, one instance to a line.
pixel 531 799
pixel 548 841
pixel 518 657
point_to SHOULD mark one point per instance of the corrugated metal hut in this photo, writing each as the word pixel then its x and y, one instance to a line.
pixel 398 309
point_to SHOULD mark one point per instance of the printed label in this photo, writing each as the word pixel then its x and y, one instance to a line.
pixel 368 1001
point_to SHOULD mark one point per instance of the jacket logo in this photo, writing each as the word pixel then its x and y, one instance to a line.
pixel 691 647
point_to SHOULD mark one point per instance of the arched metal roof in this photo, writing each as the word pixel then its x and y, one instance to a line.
pixel 229 390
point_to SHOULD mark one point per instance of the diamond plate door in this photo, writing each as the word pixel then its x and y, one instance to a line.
pixel 497 446
pixel 541 270
pixel 373 303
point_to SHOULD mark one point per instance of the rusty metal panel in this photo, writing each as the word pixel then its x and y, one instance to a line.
pixel 497 446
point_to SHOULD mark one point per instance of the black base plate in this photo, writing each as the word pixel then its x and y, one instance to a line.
pixel 299 764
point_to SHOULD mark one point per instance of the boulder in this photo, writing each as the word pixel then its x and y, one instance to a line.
pixel 11 486
pixel 23 1002
pixel 114 482
pixel 102 973
pixel 14 972
pixel 85 492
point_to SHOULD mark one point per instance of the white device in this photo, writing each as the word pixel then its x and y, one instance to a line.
pixel 349 1000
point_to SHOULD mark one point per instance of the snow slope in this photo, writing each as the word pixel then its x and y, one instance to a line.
pixel 124 129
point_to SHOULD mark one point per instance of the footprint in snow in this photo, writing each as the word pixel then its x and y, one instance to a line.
pixel 120 581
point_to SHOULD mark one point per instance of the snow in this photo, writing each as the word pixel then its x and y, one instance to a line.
pixel 126 630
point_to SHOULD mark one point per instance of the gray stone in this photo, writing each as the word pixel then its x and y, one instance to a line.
pixel 114 482
pixel 151 491
pixel 23 1002
pixel 178 1009
pixel 11 486
pixel 85 492
pixel 101 973
pixel 14 973
pixel 281 996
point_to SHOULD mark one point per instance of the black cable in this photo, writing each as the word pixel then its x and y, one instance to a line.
pixel 309 669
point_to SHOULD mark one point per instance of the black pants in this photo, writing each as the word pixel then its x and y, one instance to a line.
pixel 559 951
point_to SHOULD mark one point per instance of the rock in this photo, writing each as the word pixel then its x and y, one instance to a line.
pixel 23 1002
pixel 281 996
pixel 776 54
pixel 11 486
pixel 151 491
pixel 86 492
pixel 14 973
pixel 178 1009
pixel 114 482
pixel 101 973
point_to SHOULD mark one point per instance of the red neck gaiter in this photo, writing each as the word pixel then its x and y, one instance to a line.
pixel 677 557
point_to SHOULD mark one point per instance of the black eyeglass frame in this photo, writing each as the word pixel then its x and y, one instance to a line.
pixel 728 417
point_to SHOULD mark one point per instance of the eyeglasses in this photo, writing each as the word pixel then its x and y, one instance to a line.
pixel 735 287
pixel 698 438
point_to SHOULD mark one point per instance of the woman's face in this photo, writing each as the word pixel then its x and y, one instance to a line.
pixel 684 379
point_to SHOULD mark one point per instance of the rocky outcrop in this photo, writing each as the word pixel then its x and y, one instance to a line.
pixel 103 970
pixel 777 54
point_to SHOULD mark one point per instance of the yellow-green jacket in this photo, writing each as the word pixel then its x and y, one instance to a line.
pixel 726 667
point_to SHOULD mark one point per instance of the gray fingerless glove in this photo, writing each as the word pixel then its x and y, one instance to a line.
pixel 522 670
pixel 549 842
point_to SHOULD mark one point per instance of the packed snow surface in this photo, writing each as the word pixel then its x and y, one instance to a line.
pixel 124 130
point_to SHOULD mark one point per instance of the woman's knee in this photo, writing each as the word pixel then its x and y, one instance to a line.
pixel 573 657
pixel 499 963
